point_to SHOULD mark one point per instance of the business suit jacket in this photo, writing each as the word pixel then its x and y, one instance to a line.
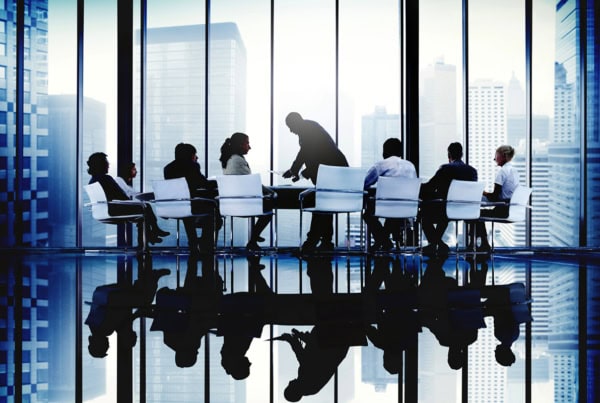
pixel 316 147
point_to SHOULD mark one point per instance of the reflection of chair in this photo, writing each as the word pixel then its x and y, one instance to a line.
pixel 517 209
pixel 172 200
pixel 463 202
pixel 100 205
pixel 241 196
pixel 397 198
pixel 338 190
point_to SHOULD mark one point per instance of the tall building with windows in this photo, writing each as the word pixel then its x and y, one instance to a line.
pixel 33 194
pixel 487 126
pixel 437 123
pixel 375 129
pixel 175 99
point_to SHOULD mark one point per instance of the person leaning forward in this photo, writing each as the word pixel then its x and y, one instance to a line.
pixel 316 148
pixel 186 166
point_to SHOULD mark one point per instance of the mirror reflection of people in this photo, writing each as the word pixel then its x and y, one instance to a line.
pixel 397 321
pixel 187 313
pixel 241 320
pixel 453 314
pixel 509 307
pixel 316 148
pixel 98 169
pixel 112 310
pixel 321 350
pixel 233 163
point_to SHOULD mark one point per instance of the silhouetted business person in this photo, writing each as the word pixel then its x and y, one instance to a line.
pixel 316 148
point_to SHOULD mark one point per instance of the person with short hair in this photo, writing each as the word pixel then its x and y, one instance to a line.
pixel 392 165
pixel 316 148
pixel 505 183
pixel 185 165
pixel 433 214
pixel 98 169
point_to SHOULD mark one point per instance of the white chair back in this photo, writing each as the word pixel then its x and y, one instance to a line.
pixel 397 197
pixel 518 204
pixel 339 189
pixel 464 200
pixel 98 201
pixel 240 195
pixel 172 198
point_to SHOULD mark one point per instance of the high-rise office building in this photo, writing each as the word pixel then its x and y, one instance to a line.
pixel 376 128
pixel 487 126
pixel 33 194
pixel 62 136
pixel 175 94
pixel 175 98
pixel 437 123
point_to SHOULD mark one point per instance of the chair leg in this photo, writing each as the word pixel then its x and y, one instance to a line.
pixel 347 232
pixel 177 237
pixel 300 232
pixel 492 237
pixel 231 234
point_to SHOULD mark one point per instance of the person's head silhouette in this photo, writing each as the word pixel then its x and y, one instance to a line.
pixel 98 345
pixel 392 361
pixel 185 358
pixel 504 355
pixel 294 121
pixel 456 358
pixel 237 367
pixel 292 392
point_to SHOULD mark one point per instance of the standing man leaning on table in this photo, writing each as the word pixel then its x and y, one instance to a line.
pixel 186 166
pixel 433 215
pixel 316 148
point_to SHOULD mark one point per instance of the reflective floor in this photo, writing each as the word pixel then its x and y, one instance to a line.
pixel 109 326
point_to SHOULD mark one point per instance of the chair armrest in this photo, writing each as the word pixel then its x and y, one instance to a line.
pixel 305 193
pixel 127 202
pixel 342 191
pixel 239 197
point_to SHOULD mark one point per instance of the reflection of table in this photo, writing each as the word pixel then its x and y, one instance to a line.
pixel 288 197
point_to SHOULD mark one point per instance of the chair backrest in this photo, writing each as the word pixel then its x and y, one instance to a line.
pixel 172 198
pixel 464 200
pixel 339 189
pixel 98 201
pixel 240 195
pixel 397 197
pixel 517 208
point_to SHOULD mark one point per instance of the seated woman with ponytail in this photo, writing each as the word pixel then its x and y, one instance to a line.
pixel 233 163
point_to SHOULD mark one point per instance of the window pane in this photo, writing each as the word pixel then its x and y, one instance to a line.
pixel 304 80
pixel 440 108
pixel 564 151
pixel 100 105
pixel 543 89
pixel 496 94
pixel 174 97
pixel 240 95
pixel 593 127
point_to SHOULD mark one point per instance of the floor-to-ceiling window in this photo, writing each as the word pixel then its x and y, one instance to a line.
pixel 345 72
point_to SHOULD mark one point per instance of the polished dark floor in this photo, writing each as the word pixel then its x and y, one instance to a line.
pixel 237 309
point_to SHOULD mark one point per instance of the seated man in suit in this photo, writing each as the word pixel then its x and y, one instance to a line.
pixel 186 166
pixel 433 214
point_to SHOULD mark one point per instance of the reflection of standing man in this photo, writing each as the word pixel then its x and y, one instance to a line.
pixel 316 148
